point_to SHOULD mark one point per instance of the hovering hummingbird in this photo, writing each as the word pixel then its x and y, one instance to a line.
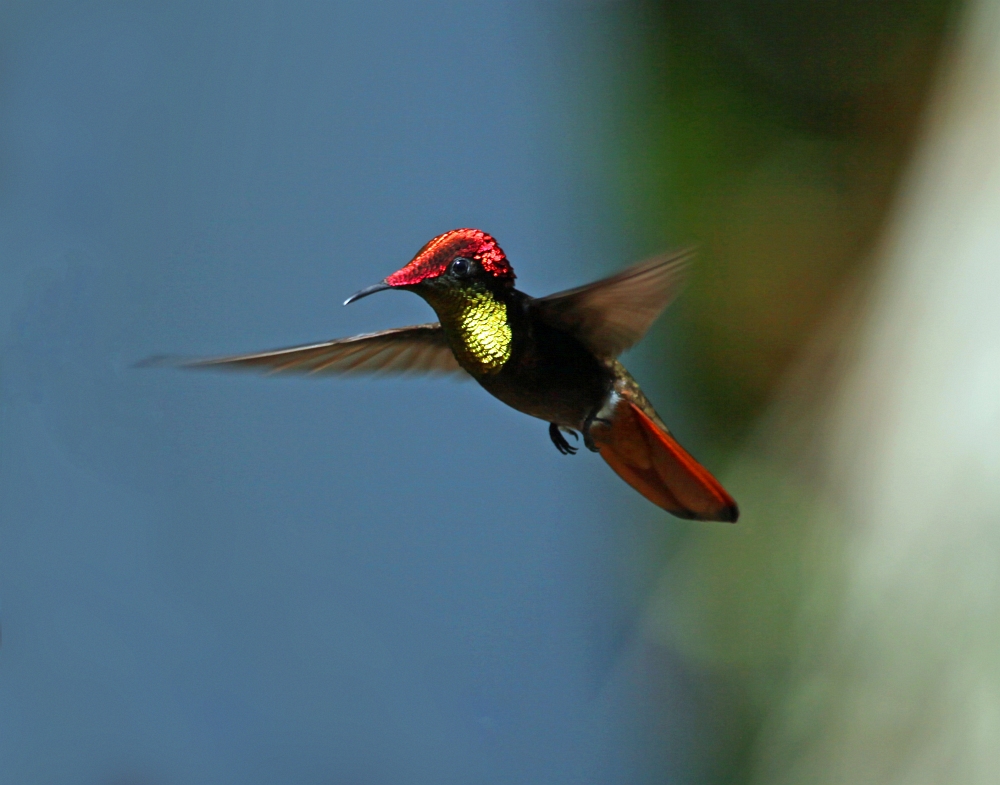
pixel 552 357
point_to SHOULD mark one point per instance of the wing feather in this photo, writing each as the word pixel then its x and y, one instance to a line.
pixel 421 348
pixel 612 314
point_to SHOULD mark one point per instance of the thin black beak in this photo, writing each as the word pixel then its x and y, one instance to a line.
pixel 377 287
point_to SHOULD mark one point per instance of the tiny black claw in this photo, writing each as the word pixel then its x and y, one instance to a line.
pixel 560 441
pixel 588 439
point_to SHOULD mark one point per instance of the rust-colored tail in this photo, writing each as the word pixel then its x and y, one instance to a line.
pixel 651 461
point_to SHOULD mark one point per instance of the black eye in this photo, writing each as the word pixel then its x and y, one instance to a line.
pixel 461 266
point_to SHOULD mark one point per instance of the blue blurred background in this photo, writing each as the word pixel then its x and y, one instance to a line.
pixel 214 579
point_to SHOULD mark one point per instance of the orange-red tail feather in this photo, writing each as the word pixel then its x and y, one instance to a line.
pixel 651 461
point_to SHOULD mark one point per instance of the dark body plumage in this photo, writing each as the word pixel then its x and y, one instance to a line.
pixel 554 357
pixel 550 374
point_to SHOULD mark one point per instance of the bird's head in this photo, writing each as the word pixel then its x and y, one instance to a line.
pixel 456 261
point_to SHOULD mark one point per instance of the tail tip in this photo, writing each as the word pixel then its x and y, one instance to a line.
pixel 729 513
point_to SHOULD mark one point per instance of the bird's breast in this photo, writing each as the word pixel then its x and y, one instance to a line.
pixel 550 375
pixel 479 331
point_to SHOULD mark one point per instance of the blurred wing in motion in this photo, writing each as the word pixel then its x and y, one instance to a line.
pixel 421 348
pixel 649 459
pixel 612 314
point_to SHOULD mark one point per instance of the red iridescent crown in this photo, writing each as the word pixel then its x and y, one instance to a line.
pixel 434 258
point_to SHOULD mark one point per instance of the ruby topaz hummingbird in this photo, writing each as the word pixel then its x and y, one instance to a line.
pixel 551 357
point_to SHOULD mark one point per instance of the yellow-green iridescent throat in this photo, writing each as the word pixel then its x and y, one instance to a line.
pixel 475 323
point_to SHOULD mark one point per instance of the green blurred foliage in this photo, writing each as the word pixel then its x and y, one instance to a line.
pixel 772 134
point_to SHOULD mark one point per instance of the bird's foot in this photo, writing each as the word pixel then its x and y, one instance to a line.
pixel 588 437
pixel 555 434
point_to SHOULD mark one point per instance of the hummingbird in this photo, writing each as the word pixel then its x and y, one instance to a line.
pixel 554 358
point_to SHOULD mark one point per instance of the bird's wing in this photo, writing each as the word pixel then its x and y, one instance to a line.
pixel 421 348
pixel 612 314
